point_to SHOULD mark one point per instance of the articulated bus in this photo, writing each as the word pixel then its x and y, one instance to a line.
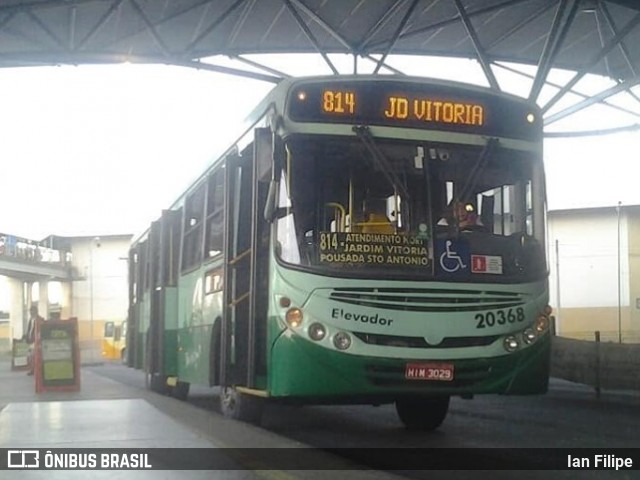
pixel 367 240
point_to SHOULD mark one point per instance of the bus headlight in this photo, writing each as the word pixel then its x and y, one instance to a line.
pixel 317 331
pixel 542 323
pixel 342 340
pixel 529 336
pixel 294 317
pixel 511 344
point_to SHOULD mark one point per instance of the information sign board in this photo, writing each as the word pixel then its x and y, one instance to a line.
pixel 57 359
pixel 20 354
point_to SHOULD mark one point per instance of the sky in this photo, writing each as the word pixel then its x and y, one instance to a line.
pixel 98 150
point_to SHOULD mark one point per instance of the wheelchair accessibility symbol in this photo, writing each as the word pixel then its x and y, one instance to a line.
pixel 451 260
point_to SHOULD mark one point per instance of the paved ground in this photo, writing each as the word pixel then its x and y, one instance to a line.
pixel 108 414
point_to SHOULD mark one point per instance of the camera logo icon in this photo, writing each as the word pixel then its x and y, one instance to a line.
pixel 23 459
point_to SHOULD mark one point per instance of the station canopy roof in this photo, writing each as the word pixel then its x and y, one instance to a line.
pixel 584 36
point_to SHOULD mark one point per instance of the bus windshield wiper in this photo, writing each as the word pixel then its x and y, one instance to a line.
pixel 381 161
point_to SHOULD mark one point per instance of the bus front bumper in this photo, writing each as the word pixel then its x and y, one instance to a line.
pixel 302 369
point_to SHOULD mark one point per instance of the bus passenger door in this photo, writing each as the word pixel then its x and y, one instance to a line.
pixel 166 290
pixel 153 360
pixel 137 330
pixel 163 254
pixel 243 356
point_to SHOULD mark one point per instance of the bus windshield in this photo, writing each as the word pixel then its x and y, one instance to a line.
pixel 377 206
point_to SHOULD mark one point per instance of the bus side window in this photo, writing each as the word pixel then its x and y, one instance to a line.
pixel 487 211
pixel 109 329
pixel 215 214
pixel 192 251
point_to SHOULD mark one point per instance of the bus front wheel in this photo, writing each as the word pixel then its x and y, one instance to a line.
pixel 422 413
pixel 153 381
pixel 156 383
pixel 240 406
pixel 181 390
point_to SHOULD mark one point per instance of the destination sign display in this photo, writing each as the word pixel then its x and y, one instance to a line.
pixel 415 105
pixel 407 108
pixel 373 249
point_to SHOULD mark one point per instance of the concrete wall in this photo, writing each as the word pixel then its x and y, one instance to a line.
pixel 587 293
pixel 588 252
pixel 634 269
pixel 606 364
pixel 18 312
pixel 100 293
pixel 582 323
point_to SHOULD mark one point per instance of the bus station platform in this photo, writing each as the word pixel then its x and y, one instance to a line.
pixel 107 414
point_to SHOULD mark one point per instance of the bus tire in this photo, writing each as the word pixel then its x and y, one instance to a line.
pixel 181 390
pixel 240 406
pixel 156 383
pixel 422 413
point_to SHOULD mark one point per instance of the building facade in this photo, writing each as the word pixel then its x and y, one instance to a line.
pixel 94 288
pixel 594 261
pixel 99 290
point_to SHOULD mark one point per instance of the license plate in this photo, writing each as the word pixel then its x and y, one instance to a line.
pixel 440 372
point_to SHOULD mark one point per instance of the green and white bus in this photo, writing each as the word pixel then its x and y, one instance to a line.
pixel 368 240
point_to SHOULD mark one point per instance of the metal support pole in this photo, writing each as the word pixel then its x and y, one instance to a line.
pixel 619 280
pixel 95 242
pixel 91 301
pixel 597 379
pixel 558 304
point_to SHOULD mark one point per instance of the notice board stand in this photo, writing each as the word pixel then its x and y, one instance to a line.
pixel 57 356
pixel 20 354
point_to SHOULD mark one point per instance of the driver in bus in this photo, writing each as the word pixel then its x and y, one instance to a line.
pixel 461 214
pixel 465 214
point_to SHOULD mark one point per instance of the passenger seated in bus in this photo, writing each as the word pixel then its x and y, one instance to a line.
pixel 376 217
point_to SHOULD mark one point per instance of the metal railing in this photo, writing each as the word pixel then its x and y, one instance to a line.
pixel 25 250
